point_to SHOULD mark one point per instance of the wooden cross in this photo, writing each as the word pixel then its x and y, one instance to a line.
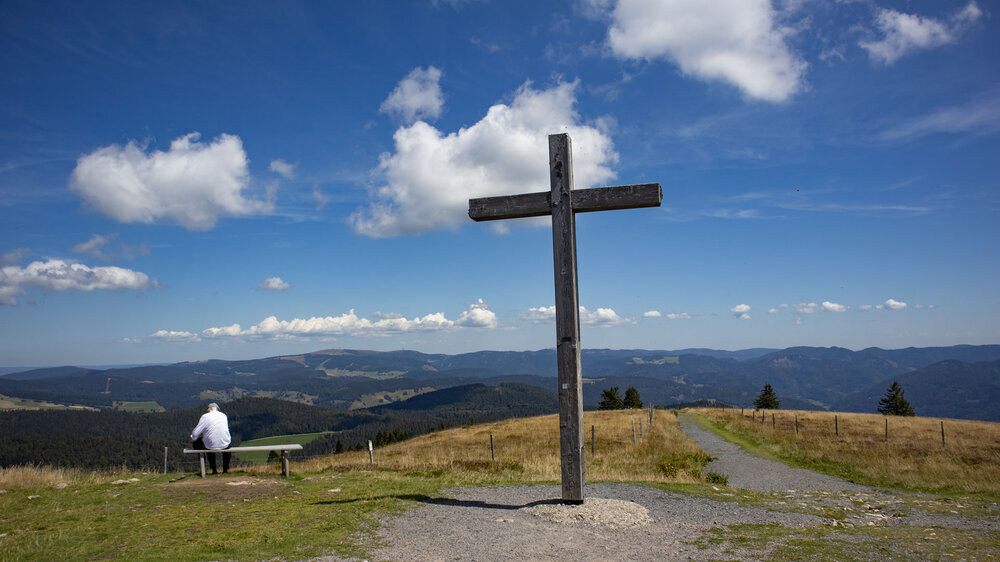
pixel 562 202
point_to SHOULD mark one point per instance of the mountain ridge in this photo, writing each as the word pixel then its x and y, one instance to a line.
pixel 804 377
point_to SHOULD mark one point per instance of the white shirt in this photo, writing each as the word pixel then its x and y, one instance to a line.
pixel 213 428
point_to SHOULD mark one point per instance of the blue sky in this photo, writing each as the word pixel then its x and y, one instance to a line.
pixel 183 181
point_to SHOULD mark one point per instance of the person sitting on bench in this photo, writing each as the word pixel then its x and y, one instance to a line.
pixel 212 432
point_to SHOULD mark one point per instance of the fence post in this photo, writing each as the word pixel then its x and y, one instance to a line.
pixel 796 423
pixel 836 426
pixel 633 431
pixel 640 428
pixel 942 433
pixel 772 422
pixel 591 440
pixel 371 452
pixel 492 454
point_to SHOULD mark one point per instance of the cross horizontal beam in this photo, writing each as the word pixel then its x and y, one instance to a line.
pixel 583 201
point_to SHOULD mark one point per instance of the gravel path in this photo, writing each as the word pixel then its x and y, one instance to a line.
pixel 636 522
pixel 754 473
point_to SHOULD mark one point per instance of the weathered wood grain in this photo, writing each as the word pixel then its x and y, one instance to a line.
pixel 582 200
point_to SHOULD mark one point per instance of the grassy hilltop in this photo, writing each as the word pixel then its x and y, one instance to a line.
pixel 331 503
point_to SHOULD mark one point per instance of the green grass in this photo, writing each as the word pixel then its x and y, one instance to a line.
pixel 261 456
pixel 15 403
pixel 149 406
pixel 196 519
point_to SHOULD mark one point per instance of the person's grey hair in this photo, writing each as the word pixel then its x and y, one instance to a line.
pixel 213 406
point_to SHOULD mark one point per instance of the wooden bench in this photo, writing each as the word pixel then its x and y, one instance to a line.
pixel 283 448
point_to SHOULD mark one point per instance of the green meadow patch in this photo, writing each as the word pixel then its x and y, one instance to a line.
pixel 262 456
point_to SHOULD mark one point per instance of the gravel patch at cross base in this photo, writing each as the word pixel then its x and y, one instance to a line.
pixel 749 472
pixel 528 523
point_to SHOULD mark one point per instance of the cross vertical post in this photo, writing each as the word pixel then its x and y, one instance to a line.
pixel 562 202
pixel 567 318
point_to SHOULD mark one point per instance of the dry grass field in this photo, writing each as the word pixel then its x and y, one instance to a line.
pixel 27 477
pixel 527 450
pixel 909 454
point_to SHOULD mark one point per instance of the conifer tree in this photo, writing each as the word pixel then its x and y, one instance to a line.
pixel 893 403
pixel 767 400
pixel 632 400
pixel 611 399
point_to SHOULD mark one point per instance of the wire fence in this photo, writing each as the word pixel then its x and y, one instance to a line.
pixel 842 425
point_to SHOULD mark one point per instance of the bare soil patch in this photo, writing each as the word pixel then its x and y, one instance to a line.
pixel 227 488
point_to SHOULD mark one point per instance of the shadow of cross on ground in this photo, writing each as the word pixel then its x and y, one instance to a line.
pixel 562 202
pixel 450 502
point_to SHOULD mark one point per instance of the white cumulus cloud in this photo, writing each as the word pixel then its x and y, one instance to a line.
pixel 892 304
pixel 431 176
pixel 599 317
pixel 192 184
pixel 539 314
pixel 679 316
pixel 651 314
pixel 417 96
pixel 602 317
pixel 274 284
pixel 735 41
pixel 741 311
pixel 478 315
pixel 833 307
pixel 58 276
pixel 902 34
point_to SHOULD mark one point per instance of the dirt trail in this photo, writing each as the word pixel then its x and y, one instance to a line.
pixel 750 472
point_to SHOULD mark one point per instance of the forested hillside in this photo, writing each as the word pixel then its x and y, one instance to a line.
pixel 114 438
pixel 941 390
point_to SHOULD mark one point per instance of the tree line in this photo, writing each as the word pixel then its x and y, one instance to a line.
pixel 892 402
pixel 612 400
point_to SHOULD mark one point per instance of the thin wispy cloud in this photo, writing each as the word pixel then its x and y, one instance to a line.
pixel 104 247
pixel 901 34
pixel 978 117
pixel 418 96
pixel 282 168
